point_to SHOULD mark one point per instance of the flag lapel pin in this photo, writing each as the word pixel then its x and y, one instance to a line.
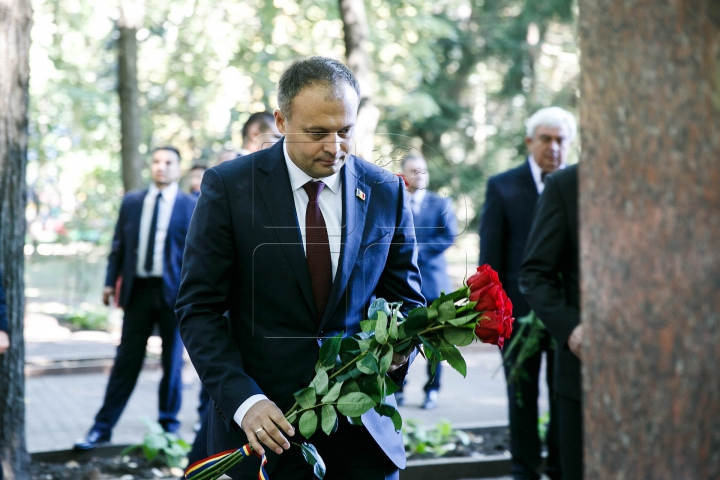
pixel 360 194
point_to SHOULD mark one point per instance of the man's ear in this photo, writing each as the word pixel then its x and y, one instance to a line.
pixel 280 121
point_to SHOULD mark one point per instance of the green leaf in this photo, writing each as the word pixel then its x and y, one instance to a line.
pixel 330 350
pixel 329 419
pixel 350 386
pixel 306 397
pixel 381 332
pixel 454 358
pixel 417 322
pixel 459 336
pixel 385 410
pixel 312 457
pixel 292 417
pixel 367 325
pixel 429 346
pixel 446 311
pixel 368 364
pixel 333 393
pixel 366 344
pixel 357 421
pixel 393 330
pixel 385 360
pixel 390 386
pixel 354 404
pixel 320 382
pixel 308 423
pixel 464 320
pixel 397 420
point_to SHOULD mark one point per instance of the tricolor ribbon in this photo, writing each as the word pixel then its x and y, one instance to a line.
pixel 212 467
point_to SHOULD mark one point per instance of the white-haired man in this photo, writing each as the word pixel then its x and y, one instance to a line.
pixel 504 228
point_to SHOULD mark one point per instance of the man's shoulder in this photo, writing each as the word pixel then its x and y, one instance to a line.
pixel 135 196
pixel 510 176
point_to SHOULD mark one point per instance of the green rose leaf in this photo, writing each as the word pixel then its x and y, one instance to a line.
pixel 454 358
pixel 354 404
pixel 393 329
pixel 330 350
pixel 381 332
pixel 390 386
pixel 367 325
pixel 458 336
pixel 312 457
pixel 320 382
pixel 385 360
pixel 397 420
pixel 416 322
pixel 357 421
pixel 430 347
pixel 329 419
pixel 349 386
pixel 306 397
pixel 446 311
pixel 465 319
pixel 308 423
pixel 368 364
pixel 333 394
pixel 385 410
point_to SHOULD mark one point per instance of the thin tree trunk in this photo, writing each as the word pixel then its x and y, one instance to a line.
pixel 354 20
pixel 131 15
pixel 15 24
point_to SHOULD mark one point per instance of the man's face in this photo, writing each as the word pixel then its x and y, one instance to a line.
pixel 165 168
pixel 196 179
pixel 320 131
pixel 262 140
pixel 549 147
pixel 415 171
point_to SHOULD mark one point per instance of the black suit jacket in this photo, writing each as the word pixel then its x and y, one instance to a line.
pixel 549 275
pixel 244 255
pixel 504 227
pixel 123 256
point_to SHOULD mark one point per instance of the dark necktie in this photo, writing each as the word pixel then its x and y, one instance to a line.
pixel 150 252
pixel 543 175
pixel 317 248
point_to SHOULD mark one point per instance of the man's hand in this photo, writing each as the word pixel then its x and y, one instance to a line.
pixel 265 423
pixel 107 293
pixel 4 341
pixel 575 341
pixel 398 361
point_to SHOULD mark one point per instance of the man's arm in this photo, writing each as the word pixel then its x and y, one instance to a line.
pixel 116 256
pixel 492 229
pixel 445 231
pixel 202 301
pixel 540 280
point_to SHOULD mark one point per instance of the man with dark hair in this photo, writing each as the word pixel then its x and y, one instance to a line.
pixel 146 253
pixel 504 228
pixel 196 173
pixel 294 243
pixel 435 229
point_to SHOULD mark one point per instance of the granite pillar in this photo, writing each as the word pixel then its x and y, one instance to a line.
pixel 650 238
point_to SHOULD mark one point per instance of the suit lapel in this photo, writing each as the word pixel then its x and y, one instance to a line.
pixel 528 182
pixel 353 226
pixel 273 183
pixel 135 214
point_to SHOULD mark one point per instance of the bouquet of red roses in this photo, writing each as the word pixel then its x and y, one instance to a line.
pixel 351 372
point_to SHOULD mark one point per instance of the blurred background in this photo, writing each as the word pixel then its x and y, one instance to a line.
pixel 454 79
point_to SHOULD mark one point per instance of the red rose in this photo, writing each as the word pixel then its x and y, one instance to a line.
pixel 490 328
pixel 484 276
pixel 489 297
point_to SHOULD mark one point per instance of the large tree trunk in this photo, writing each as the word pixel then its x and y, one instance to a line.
pixel 358 58
pixel 15 23
pixel 650 238
pixel 131 17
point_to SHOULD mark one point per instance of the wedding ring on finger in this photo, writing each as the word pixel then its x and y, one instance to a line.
pixel 261 429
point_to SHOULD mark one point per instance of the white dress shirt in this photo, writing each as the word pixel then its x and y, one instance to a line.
pixel 331 207
pixel 165 208
pixel 537 174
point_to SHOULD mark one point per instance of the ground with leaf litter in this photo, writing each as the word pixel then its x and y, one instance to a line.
pixel 98 468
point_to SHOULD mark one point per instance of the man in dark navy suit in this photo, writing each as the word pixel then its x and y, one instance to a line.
pixel 147 252
pixel 435 229
pixel 295 242
pixel 504 227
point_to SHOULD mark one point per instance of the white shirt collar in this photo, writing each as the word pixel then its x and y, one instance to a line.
pixel 418 196
pixel 298 178
pixel 169 193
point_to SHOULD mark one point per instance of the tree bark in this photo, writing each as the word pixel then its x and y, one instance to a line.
pixel 15 24
pixel 131 16
pixel 355 25
pixel 650 238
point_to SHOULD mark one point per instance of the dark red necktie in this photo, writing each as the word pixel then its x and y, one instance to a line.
pixel 317 248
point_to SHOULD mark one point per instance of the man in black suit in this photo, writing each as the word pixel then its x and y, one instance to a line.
pixel 295 242
pixel 549 280
pixel 435 229
pixel 147 252
pixel 504 229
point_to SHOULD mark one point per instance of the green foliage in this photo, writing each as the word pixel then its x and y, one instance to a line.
pixel 161 445
pixel 419 439
pixel 85 320
pixel 543 423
